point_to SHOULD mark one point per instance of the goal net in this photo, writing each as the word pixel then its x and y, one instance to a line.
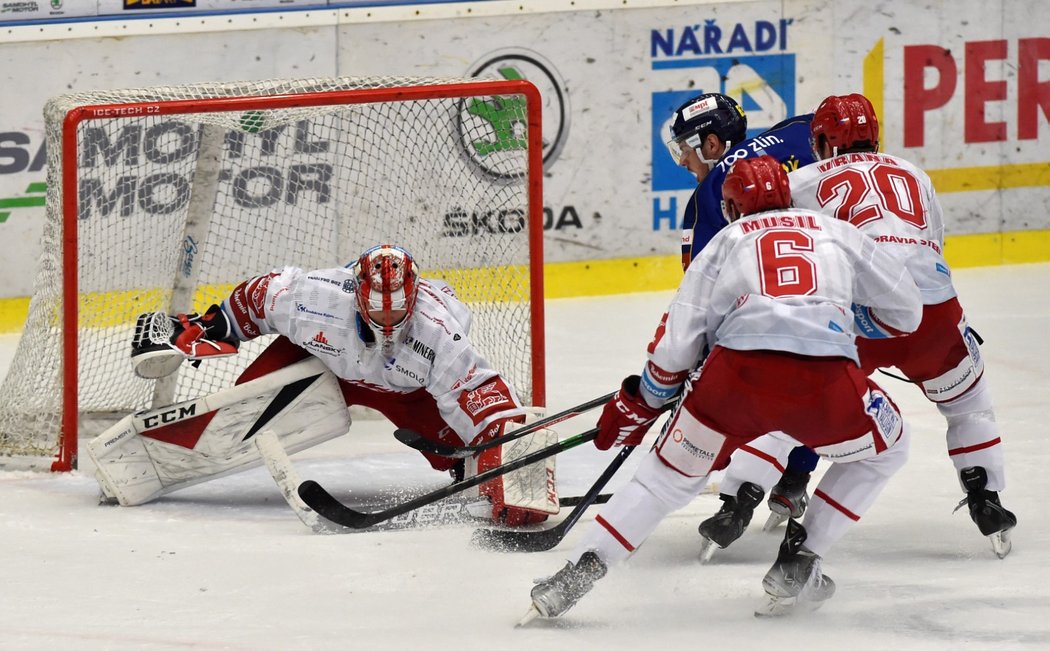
pixel 165 198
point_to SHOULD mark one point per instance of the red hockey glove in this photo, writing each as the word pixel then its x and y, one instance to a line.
pixel 626 418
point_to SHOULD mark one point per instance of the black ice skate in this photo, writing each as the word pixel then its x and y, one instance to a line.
pixel 556 594
pixel 720 530
pixel 787 499
pixel 795 583
pixel 986 511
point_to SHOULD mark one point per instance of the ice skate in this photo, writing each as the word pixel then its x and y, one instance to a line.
pixel 720 530
pixel 556 594
pixel 986 511
pixel 787 499
pixel 795 583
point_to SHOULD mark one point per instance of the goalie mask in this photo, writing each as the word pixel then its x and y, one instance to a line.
pixel 386 282
pixel 755 185
pixel 703 115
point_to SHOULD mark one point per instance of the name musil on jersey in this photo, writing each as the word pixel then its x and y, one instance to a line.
pixel 779 221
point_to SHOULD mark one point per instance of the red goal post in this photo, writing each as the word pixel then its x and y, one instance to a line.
pixel 163 198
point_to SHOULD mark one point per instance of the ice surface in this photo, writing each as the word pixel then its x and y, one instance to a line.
pixel 226 565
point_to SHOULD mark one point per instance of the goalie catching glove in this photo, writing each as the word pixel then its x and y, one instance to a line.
pixel 162 342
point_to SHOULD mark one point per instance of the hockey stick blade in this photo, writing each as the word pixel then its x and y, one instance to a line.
pixel 509 540
pixel 329 508
pixel 414 440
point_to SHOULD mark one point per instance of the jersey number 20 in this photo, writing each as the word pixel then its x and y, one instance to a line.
pixel 864 195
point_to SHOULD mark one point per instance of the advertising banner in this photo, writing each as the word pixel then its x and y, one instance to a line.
pixel 963 90
pixel 610 81
pixel 967 99
pixel 13 10
pixel 42 69
pixel 140 7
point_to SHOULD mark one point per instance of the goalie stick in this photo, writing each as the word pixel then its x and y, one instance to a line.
pixel 329 508
pixel 414 440
pixel 508 540
pixel 441 513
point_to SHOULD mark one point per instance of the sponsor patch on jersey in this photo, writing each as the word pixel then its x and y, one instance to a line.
pixel 665 377
pixel 421 349
pixel 319 344
pixel 489 398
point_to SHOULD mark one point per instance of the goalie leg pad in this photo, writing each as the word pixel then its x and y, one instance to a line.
pixel 151 453
pixel 528 495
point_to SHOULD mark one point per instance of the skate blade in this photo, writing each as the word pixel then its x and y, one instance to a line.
pixel 707 550
pixel 529 616
pixel 1001 543
pixel 786 606
pixel 776 607
pixel 774 520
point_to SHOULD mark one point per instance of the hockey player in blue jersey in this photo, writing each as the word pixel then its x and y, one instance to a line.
pixel 708 133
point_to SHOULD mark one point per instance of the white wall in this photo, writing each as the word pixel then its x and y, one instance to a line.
pixel 976 117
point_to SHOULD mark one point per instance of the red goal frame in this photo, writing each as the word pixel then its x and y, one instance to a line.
pixel 67 455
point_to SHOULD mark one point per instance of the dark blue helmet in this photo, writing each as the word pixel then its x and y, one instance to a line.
pixel 704 114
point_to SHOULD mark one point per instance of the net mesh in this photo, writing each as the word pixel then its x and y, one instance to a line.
pixel 175 209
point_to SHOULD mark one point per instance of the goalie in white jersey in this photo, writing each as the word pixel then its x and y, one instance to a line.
pixel 770 297
pixel 398 343
pixel 893 201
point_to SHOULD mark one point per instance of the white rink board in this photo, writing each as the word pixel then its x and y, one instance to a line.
pixel 608 76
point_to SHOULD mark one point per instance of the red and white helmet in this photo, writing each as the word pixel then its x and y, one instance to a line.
pixel 846 123
pixel 754 185
pixel 386 278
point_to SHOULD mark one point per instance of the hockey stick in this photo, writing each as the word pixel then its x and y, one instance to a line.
pixel 287 480
pixel 507 540
pixel 415 440
pixel 283 473
pixel 329 508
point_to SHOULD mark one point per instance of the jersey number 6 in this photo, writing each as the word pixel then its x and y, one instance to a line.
pixel 785 269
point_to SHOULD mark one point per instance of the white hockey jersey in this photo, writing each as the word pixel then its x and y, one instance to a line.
pixel 781 280
pixel 316 310
pixel 889 199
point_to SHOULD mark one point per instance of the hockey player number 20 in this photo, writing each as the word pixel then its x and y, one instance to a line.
pixel 864 195
pixel 785 269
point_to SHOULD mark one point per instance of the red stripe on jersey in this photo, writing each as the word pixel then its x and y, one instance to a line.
pixel 835 505
pixel 762 455
pixel 614 533
pixel 975 448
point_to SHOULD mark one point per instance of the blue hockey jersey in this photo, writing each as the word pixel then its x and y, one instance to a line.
pixel 787 141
